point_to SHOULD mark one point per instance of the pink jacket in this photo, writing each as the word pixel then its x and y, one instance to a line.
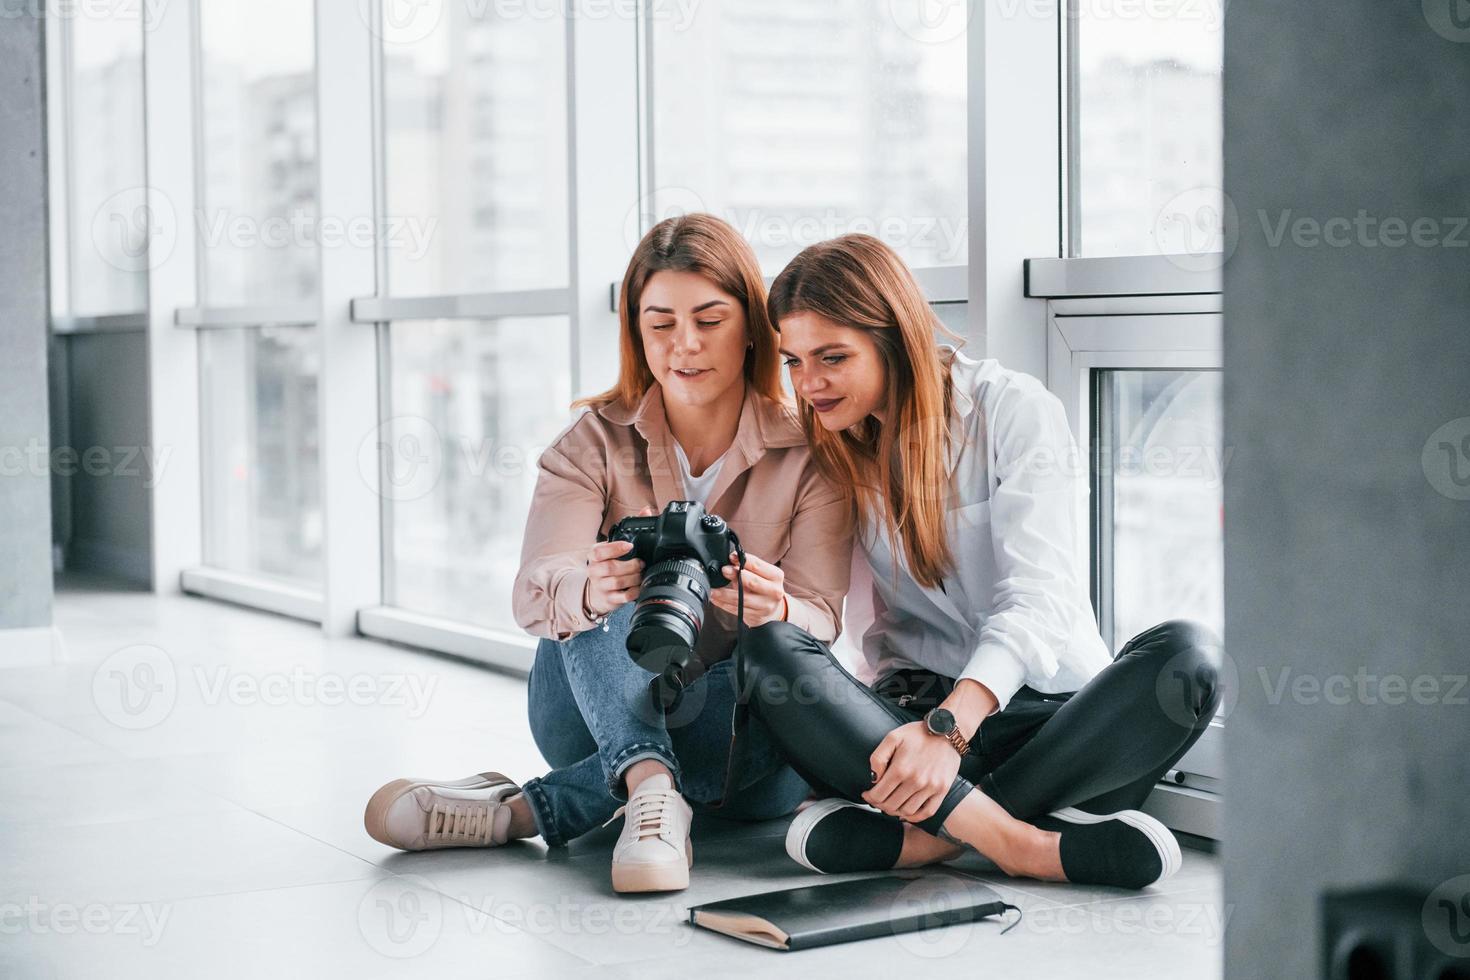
pixel 611 463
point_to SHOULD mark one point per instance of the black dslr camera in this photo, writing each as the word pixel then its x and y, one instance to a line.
pixel 683 550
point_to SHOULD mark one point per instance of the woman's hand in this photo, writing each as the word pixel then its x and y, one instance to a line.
pixel 915 769
pixel 610 581
pixel 765 591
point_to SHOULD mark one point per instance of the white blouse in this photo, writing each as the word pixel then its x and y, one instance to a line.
pixel 1014 610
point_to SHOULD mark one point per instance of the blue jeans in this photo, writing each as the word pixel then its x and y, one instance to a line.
pixel 592 718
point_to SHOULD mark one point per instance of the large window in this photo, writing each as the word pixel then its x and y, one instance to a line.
pixel 476 189
pixel 257 219
pixel 476 140
pixel 800 120
pixel 1146 115
pixel 108 217
pixel 1158 497
pixel 473 403
pixel 256 226
pixel 261 474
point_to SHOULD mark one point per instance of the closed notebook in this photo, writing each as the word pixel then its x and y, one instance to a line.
pixel 844 911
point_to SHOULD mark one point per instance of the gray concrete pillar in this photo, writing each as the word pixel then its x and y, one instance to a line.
pixel 25 481
pixel 1347 499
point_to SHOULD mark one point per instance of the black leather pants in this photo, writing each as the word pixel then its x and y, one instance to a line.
pixel 1102 748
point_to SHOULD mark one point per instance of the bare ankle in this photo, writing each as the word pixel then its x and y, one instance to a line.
pixel 921 848
pixel 644 769
pixel 522 822
pixel 1037 854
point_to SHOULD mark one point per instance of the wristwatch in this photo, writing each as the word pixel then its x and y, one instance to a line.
pixel 940 721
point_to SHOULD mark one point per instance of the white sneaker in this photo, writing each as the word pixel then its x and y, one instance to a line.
pixel 654 853
pixel 421 814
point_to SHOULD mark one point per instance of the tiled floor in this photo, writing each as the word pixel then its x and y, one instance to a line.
pixel 181 794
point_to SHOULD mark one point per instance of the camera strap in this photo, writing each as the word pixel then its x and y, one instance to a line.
pixel 740 715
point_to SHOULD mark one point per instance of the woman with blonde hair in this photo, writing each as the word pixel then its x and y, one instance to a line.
pixel 697 414
pixel 998 720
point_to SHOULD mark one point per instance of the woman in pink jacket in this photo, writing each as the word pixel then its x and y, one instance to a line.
pixel 698 413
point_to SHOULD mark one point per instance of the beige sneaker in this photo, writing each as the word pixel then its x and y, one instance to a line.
pixel 420 814
pixel 654 853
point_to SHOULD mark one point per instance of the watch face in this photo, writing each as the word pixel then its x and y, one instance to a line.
pixel 940 721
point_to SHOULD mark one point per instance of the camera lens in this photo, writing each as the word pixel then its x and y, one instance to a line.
pixel 668 615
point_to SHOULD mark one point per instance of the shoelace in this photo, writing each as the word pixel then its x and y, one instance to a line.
pixel 650 812
pixel 461 822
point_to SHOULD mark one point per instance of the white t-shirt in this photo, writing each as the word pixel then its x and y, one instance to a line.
pixel 698 487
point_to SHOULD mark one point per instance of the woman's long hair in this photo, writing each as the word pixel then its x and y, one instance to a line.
pixel 898 469
pixel 706 245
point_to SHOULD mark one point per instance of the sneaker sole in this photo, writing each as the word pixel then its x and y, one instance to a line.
pixel 805 822
pixel 672 877
pixel 1158 835
pixel 375 817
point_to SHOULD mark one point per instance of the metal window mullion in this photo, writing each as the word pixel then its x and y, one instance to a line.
pixel 171 79
pixel 348 408
pixel 228 317
pixel 1014 138
pixel 196 94
pixel 569 42
pixel 1140 333
pixel 103 323
pixel 1128 275
pixel 645 81
pixel 605 156
pixel 382 336
pixel 68 151
pixel 1071 132
pixel 1103 439
pixel 463 306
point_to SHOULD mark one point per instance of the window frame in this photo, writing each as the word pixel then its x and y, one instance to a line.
pixel 603 60
pixel 1133 313
pixel 197 576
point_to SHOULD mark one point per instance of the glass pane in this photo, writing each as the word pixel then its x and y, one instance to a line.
pixel 1165 472
pixel 1149 127
pixel 476 142
pixel 110 220
pixel 258 226
pixel 262 481
pixel 473 405
pixel 800 120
